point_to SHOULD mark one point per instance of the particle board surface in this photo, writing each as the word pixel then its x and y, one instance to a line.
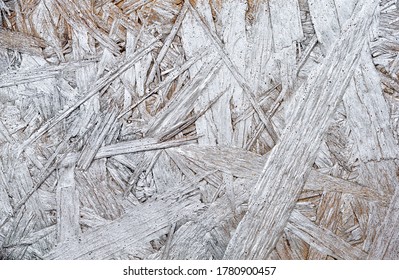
pixel 185 129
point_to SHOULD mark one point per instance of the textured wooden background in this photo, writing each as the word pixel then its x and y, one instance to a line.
pixel 209 129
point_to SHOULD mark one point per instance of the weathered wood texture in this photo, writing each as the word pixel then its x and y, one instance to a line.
pixel 175 129
pixel 289 163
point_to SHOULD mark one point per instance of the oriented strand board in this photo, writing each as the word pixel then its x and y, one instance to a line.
pixel 182 129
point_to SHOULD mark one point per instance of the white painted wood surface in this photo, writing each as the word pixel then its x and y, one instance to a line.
pixel 223 129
